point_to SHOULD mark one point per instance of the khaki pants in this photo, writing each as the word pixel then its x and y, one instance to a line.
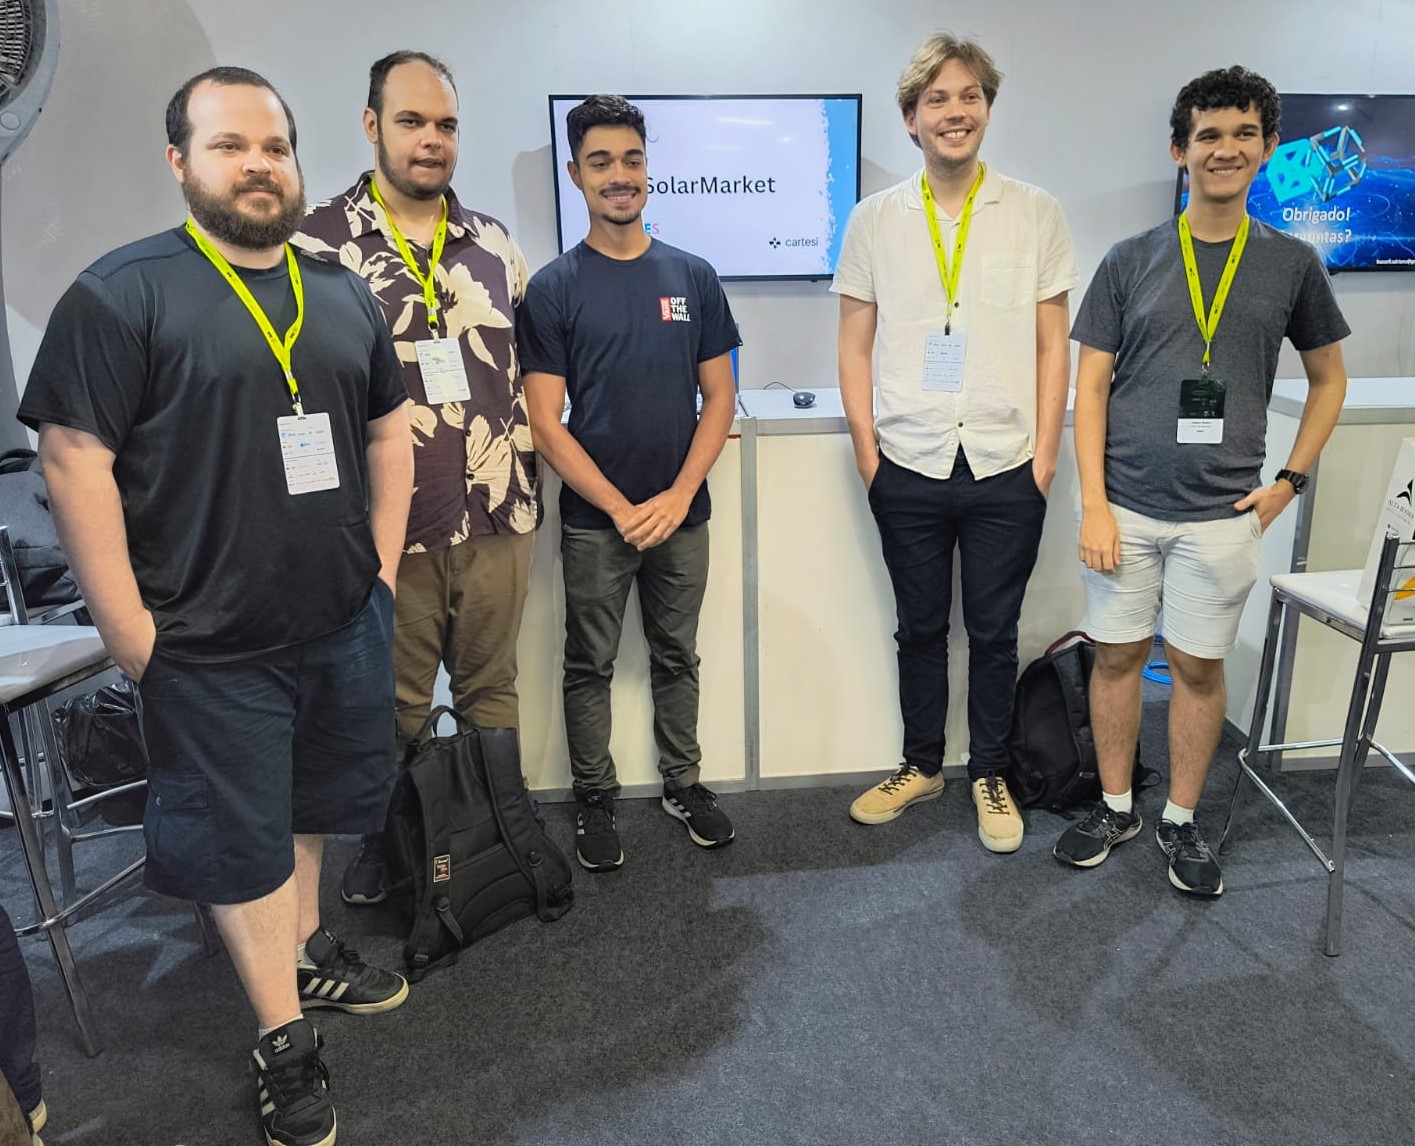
pixel 461 607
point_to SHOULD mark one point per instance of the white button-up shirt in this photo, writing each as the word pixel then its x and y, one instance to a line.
pixel 1019 253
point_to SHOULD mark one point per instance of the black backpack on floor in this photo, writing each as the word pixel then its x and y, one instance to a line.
pixel 467 851
pixel 1053 752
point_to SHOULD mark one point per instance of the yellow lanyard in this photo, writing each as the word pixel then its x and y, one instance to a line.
pixel 949 274
pixel 1208 328
pixel 280 349
pixel 439 239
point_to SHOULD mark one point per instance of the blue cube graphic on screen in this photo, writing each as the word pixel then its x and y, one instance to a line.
pixel 1343 179
pixel 760 186
pixel 1330 164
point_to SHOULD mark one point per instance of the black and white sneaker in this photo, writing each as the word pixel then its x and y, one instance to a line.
pixel 597 844
pixel 708 825
pixel 333 975
pixel 1088 843
pixel 366 874
pixel 294 1087
pixel 1192 866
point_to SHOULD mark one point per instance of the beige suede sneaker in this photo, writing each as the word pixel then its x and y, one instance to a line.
pixel 999 821
pixel 886 800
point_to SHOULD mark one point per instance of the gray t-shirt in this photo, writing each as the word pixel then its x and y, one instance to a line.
pixel 1137 308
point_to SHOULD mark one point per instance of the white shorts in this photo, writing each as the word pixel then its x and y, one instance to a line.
pixel 1200 571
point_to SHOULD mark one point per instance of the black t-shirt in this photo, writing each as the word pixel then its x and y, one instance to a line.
pixel 627 336
pixel 153 353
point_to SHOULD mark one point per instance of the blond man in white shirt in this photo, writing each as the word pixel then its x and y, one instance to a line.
pixel 956 436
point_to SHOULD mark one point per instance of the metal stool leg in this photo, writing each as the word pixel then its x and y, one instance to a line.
pixel 1277 617
pixel 65 822
pixel 33 850
pixel 1368 728
pixel 1353 755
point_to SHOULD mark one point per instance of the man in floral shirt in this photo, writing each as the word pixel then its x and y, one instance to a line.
pixel 449 281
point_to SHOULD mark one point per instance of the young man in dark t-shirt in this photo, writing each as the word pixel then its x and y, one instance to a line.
pixel 632 329
pixel 1179 332
pixel 224 435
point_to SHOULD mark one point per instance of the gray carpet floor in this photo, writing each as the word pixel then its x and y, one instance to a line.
pixel 817 982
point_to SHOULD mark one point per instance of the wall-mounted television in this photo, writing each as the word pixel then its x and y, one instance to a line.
pixel 1342 178
pixel 760 186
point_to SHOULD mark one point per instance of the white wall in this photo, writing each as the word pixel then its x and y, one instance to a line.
pixel 1083 112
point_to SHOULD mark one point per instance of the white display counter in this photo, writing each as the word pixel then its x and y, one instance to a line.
pixel 799 677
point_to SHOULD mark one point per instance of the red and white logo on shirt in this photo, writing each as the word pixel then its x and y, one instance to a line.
pixel 674 309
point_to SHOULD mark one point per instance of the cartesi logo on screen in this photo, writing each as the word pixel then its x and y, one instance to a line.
pixel 674 309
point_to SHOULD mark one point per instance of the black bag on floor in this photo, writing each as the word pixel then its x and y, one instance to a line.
pixel 1052 749
pixel 467 851
pixel 101 746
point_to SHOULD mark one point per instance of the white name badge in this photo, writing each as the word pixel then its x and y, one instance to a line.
pixel 444 373
pixel 1200 430
pixel 307 447
pixel 943 361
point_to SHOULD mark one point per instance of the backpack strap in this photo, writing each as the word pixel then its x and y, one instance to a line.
pixel 432 910
pixel 1075 693
pixel 501 757
pixel 1065 639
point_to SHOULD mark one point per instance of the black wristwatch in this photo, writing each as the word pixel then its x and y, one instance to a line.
pixel 1297 481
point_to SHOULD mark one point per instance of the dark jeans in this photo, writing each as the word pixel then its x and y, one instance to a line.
pixel 996 525
pixel 600 567
pixel 17 1030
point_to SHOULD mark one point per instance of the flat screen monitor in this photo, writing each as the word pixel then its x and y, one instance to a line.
pixel 1342 178
pixel 760 186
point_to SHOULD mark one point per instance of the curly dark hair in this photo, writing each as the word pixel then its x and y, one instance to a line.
pixel 1222 88
pixel 601 111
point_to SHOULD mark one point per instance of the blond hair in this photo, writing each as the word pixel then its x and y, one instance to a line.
pixel 932 54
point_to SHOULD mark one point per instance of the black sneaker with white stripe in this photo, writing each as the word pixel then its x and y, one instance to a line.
pixel 597 844
pixel 708 825
pixel 1088 843
pixel 294 1087
pixel 1192 866
pixel 333 975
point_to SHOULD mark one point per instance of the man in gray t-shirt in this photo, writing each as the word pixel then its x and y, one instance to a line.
pixel 1179 332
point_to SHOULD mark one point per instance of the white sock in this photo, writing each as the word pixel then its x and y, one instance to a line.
pixel 1125 802
pixel 301 959
pixel 1177 815
pixel 261 1032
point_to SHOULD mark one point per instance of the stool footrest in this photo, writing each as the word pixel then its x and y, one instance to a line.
pixel 1276 801
pixel 70 912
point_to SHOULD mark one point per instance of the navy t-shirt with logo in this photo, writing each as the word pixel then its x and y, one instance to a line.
pixel 627 336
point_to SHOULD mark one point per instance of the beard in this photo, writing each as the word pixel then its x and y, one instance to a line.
pixel 946 166
pixel 407 186
pixel 220 216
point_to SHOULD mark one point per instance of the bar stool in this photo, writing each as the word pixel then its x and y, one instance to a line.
pixel 36 661
pixel 1334 599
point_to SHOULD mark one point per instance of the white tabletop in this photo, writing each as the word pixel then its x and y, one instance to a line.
pixel 1370 401
pixel 32 656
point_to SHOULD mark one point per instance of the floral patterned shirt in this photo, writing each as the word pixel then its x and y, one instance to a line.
pixel 475 468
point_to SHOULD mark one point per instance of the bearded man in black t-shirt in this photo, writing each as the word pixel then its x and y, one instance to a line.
pixel 223 432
